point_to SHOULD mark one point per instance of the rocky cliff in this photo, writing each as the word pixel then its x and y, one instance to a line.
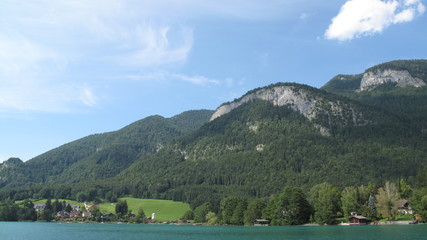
pixel 305 101
pixel 402 78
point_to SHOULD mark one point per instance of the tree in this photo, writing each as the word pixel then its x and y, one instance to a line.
pixel 57 206
pixel 201 211
pixel 288 208
pixel 27 211
pixel 419 202
pixel 188 215
pixel 405 190
pixel 349 201
pixel 47 213
pixel 121 208
pixel 239 212
pixel 227 208
pixel 68 208
pixel 325 200
pixel 372 207
pixel 211 218
pixel 96 214
pixel 254 211
pixel 8 212
pixel 81 197
pixel 387 200
pixel 140 216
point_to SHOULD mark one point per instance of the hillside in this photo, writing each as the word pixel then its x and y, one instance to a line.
pixel 100 156
pixel 285 134
pixel 260 147
pixel 398 87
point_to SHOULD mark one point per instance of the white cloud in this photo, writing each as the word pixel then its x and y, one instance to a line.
pixel 365 17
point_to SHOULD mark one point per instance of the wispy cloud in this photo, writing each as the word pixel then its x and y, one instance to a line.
pixel 148 46
pixel 43 41
pixel 40 41
pixel 197 79
pixel 359 18
pixel 87 96
pixel 167 76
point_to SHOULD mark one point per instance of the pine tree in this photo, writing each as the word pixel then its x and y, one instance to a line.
pixel 372 207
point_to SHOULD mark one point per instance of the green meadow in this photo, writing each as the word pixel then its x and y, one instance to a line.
pixel 166 210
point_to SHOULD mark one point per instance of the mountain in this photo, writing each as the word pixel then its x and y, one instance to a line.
pixel 355 130
pixel 283 134
pixel 101 156
pixel 398 87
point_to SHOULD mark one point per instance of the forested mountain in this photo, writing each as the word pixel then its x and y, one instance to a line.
pixel 357 129
pixel 400 88
pixel 260 147
pixel 100 156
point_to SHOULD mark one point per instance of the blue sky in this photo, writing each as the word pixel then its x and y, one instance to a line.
pixel 72 68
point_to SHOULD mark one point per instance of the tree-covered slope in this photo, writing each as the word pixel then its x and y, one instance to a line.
pixel 259 147
pixel 104 155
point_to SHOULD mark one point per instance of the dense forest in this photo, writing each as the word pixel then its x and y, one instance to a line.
pixel 257 152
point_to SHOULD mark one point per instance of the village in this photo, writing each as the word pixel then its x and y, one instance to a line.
pixel 91 212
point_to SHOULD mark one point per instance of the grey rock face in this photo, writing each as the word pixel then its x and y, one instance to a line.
pixel 280 96
pixel 403 78
pixel 304 102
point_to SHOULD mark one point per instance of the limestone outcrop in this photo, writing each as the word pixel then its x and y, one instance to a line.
pixel 301 100
pixel 402 78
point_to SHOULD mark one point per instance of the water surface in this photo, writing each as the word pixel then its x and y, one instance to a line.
pixel 85 231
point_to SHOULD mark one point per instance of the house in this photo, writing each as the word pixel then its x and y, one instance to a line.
pixel 358 220
pixel 39 207
pixel 74 214
pixel 403 207
pixel 63 214
pixel 75 207
pixel 86 214
pixel 261 222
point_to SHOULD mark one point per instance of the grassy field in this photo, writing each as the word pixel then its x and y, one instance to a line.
pixel 166 210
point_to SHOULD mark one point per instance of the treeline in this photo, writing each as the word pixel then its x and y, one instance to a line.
pixel 322 204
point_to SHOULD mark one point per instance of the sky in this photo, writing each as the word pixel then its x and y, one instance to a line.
pixel 72 68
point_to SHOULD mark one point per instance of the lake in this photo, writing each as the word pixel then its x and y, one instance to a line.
pixel 84 231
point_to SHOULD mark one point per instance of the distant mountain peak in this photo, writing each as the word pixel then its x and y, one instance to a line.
pixel 279 95
pixel 400 73
pixel 402 78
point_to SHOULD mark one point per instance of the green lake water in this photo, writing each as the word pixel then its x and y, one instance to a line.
pixel 65 231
